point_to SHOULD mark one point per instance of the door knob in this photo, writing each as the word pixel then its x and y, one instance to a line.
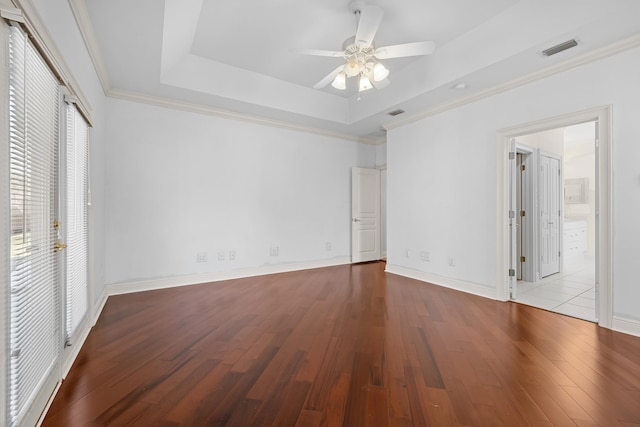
pixel 58 246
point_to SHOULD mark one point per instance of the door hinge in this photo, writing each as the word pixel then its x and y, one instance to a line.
pixel 597 143
pixel 512 155
pixel 522 259
pixel 512 272
pixel 512 214
pixel 522 213
pixel 522 167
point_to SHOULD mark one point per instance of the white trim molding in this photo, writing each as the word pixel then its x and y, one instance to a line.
pixel 447 282
pixel 71 353
pixel 626 325
pixel 157 101
pixel 586 58
pixel 194 279
pixel 99 305
pixel 81 15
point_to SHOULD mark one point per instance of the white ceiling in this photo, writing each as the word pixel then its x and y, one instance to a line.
pixel 236 55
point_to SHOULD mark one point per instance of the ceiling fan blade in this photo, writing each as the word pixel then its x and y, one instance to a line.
pixel 318 52
pixel 329 78
pixel 405 49
pixel 370 18
pixel 381 84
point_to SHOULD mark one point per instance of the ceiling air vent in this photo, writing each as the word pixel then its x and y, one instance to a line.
pixel 395 112
pixel 560 47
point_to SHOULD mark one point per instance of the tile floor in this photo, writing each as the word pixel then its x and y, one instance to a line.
pixel 571 292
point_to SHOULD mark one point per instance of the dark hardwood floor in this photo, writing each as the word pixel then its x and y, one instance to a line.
pixel 344 346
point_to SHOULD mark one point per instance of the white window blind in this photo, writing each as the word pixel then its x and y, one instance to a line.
pixel 34 305
pixel 76 225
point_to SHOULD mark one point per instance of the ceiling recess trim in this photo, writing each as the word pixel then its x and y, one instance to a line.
pixel 127 95
pixel 85 27
pixel 586 58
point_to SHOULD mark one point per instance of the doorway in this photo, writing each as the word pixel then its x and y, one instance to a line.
pixel 365 215
pixel 577 177
pixel 563 261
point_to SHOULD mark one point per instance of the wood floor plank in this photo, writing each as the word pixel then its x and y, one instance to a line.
pixel 344 346
pixel 309 419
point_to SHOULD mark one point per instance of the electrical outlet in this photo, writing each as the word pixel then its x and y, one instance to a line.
pixel 201 257
pixel 424 256
pixel 232 255
pixel 452 262
pixel 328 246
pixel 221 256
pixel 274 251
pixel 406 253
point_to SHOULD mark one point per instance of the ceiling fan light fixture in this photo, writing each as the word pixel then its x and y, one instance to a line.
pixel 380 72
pixel 361 54
pixel 340 82
pixel 352 68
pixel 365 83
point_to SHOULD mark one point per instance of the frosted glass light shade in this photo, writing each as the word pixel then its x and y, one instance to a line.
pixel 380 72
pixel 340 82
pixel 365 83
pixel 352 68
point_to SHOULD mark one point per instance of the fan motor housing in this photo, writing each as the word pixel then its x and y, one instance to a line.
pixel 350 47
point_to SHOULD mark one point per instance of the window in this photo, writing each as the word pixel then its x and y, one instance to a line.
pixel 76 220
pixel 34 344
pixel 44 186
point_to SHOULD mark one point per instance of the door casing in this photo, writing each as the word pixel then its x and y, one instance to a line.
pixel 604 217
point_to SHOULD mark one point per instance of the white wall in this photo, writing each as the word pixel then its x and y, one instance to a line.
pixel 579 162
pixel 381 154
pixel 442 175
pixel 180 183
pixel 61 25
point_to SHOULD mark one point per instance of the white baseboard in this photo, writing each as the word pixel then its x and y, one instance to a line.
pixel 73 350
pixel 458 285
pixel 99 306
pixel 626 325
pixel 192 279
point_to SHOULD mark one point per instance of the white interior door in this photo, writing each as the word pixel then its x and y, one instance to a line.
pixel 549 215
pixel 365 215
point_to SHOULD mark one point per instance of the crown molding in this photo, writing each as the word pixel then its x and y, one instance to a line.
pixel 83 20
pixel 227 114
pixel 81 15
pixel 586 58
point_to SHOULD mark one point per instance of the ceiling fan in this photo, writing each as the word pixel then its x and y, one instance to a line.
pixel 362 57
